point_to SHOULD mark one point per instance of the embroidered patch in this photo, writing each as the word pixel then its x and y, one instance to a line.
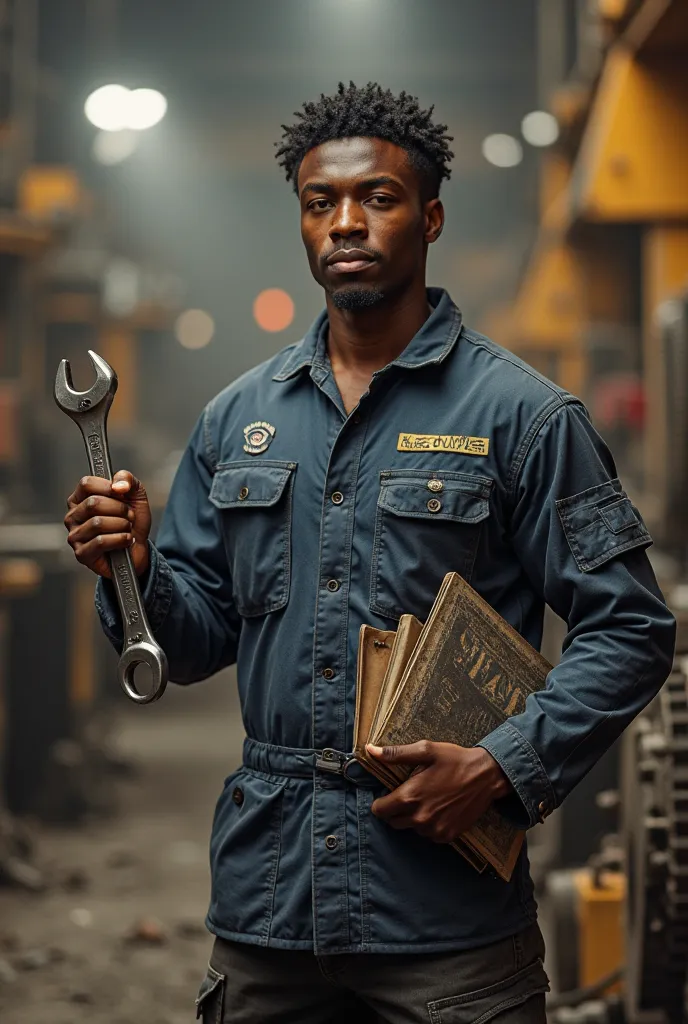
pixel 443 443
pixel 258 437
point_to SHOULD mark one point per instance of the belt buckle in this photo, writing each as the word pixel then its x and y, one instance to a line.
pixel 335 761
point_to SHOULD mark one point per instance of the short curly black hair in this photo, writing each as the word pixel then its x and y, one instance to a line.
pixel 375 112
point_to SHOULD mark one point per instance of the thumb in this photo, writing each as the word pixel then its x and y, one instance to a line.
pixel 414 754
pixel 124 482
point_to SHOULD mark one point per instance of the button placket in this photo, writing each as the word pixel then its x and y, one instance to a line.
pixel 329 726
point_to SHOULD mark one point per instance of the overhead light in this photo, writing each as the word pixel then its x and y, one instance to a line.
pixel 194 328
pixel 502 150
pixel 111 148
pixel 540 128
pixel 108 108
pixel 113 108
pixel 147 107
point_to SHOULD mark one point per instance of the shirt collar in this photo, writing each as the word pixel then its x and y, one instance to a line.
pixel 433 342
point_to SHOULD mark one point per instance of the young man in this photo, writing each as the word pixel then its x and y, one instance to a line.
pixel 314 496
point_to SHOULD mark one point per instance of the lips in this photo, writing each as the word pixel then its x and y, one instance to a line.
pixel 349 261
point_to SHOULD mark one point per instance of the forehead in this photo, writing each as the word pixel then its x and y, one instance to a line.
pixel 344 161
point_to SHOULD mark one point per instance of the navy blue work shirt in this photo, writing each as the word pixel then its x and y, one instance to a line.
pixel 291 523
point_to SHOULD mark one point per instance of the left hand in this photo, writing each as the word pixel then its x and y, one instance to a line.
pixel 450 789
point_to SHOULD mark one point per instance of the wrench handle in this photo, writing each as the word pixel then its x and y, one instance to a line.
pixel 140 646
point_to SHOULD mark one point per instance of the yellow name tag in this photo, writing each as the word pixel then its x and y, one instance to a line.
pixel 443 443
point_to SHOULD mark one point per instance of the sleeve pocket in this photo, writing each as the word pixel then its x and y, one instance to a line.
pixel 600 523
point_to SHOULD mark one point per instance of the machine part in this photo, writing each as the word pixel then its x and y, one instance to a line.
pixel 672 316
pixel 582 917
pixel 655 837
pixel 89 410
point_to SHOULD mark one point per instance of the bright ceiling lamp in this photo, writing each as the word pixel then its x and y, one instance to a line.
pixel 108 108
pixel 113 108
pixel 147 107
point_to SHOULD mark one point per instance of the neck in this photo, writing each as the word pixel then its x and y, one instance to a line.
pixel 368 339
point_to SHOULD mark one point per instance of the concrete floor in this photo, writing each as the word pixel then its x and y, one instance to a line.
pixel 66 955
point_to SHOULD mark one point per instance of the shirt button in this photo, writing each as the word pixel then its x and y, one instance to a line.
pixel 542 808
pixel 436 486
pixel 434 505
pixel 328 673
pixel 357 417
pixel 238 796
pixel 243 493
pixel 337 498
pixel 333 586
pixel 331 842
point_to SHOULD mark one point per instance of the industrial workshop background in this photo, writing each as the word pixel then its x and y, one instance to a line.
pixel 142 214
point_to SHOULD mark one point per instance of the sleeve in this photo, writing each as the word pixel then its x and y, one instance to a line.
pixel 187 591
pixel 581 543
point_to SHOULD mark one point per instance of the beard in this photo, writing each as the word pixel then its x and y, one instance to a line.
pixel 355 297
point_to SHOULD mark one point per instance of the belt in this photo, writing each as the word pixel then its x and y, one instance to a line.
pixel 303 762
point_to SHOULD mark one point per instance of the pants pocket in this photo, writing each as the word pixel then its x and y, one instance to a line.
pixel 489 1003
pixel 211 997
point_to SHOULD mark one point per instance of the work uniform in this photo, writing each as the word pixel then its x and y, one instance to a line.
pixel 291 523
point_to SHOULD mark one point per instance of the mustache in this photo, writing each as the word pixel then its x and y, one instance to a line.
pixel 375 253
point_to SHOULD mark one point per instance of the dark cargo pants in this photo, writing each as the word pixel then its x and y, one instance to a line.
pixel 504 982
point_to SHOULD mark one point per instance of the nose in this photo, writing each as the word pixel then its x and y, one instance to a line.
pixel 348 221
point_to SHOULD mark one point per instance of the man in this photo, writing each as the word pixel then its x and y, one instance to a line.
pixel 301 509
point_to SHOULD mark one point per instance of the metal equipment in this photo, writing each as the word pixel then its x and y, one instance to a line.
pixel 655 836
pixel 89 410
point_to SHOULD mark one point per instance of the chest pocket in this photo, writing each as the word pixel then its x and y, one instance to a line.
pixel 426 525
pixel 255 500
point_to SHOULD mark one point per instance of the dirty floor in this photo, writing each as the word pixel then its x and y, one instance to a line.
pixel 118 935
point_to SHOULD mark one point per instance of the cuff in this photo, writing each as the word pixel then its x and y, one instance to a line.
pixel 156 591
pixel 533 797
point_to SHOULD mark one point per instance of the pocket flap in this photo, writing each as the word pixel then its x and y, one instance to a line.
pixel 249 484
pixel 211 995
pixel 459 497
pixel 600 523
pixel 620 516
pixel 484 1004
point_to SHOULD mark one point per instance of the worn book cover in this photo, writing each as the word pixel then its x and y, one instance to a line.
pixel 468 672
pixel 382 659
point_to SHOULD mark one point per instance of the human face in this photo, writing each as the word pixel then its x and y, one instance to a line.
pixel 363 222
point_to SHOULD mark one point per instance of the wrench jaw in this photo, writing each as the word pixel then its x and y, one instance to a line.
pixel 143 653
pixel 83 403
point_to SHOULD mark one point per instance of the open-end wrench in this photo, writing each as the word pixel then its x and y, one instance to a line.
pixel 89 410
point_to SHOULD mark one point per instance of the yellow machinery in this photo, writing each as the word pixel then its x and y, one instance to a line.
pixel 603 309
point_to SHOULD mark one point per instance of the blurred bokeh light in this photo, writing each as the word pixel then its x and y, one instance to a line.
pixel 194 328
pixel 502 150
pixel 273 309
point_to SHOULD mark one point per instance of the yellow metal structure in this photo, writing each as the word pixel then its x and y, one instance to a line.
pixel 600 924
pixel 613 238
pixel 633 164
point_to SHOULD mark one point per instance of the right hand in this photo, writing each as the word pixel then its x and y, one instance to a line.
pixel 105 516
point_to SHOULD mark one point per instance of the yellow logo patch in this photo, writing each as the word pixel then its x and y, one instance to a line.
pixel 443 443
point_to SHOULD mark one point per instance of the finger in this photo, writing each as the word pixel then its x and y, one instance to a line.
pixel 124 482
pixel 89 485
pixel 414 754
pixel 97 525
pixel 394 805
pixel 98 505
pixel 102 544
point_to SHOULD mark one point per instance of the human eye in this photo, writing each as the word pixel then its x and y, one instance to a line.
pixel 319 204
pixel 380 199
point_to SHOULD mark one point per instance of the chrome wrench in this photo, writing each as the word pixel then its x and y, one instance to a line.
pixel 89 410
